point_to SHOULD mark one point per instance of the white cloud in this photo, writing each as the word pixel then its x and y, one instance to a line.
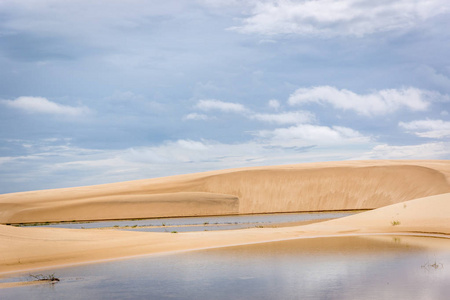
pixel 212 104
pixel 192 145
pixel 428 128
pixel 52 166
pixel 376 103
pixel 196 117
pixel 43 106
pixel 65 165
pixel 307 133
pixel 338 17
pixel 422 151
pixel 275 104
pixel 295 117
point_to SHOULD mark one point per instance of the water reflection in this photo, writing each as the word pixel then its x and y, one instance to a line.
pixel 322 268
pixel 205 223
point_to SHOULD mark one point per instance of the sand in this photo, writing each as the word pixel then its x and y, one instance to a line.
pixel 413 197
pixel 291 188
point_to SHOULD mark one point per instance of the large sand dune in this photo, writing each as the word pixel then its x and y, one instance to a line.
pixel 27 248
pixel 385 185
pixel 302 187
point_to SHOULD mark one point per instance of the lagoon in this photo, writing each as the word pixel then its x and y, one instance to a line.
pixel 353 267
pixel 184 224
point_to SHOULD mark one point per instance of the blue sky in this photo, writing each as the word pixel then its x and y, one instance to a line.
pixel 98 91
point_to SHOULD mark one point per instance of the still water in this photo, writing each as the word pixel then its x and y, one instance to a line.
pixel 374 267
pixel 206 223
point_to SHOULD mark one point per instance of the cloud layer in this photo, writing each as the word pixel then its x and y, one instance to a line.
pixel 376 103
pixel 329 18
pixel 437 129
pixel 277 81
pixel 40 105
pixel 213 104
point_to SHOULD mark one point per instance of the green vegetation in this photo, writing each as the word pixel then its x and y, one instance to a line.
pixel 32 224
pixel 395 223
pixel 174 232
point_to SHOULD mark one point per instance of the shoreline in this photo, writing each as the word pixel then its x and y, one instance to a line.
pixel 312 187
pixel 412 198
pixel 31 224
pixel 56 246
pixel 15 273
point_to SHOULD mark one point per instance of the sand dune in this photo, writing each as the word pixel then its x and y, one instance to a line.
pixel 120 207
pixel 27 248
pixel 424 215
pixel 411 197
pixel 302 187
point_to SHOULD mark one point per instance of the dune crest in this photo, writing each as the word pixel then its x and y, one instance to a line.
pixel 24 248
pixel 291 188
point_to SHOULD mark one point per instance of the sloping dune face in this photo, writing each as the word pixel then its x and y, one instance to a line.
pixel 337 188
pixel 122 207
pixel 303 187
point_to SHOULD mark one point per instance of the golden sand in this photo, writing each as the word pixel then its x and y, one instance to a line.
pixel 410 197
pixel 290 188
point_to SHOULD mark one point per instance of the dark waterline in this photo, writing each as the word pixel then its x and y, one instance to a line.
pixel 323 268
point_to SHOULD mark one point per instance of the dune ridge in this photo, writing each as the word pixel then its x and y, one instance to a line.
pixel 30 248
pixel 344 185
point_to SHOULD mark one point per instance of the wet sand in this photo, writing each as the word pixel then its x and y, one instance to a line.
pixel 28 248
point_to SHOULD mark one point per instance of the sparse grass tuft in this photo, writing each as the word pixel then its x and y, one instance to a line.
pixel 40 277
pixel 395 223
pixel 32 224
pixel 436 265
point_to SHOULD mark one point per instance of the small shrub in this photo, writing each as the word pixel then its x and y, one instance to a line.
pixel 174 232
pixel 40 277
pixel 436 265
pixel 395 223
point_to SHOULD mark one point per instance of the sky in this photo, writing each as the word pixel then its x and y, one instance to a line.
pixel 100 91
